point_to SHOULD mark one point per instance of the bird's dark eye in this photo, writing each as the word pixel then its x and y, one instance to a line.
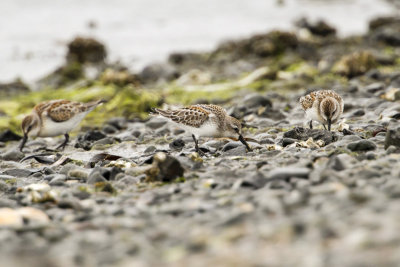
pixel 29 128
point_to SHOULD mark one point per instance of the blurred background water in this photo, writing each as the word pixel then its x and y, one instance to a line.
pixel 33 34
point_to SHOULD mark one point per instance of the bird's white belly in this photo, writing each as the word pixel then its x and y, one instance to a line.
pixel 51 128
pixel 208 129
pixel 312 114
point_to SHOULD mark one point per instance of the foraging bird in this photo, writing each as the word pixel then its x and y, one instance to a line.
pixel 324 106
pixel 205 120
pixel 55 117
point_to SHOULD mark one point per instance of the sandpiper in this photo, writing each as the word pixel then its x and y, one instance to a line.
pixel 55 117
pixel 324 106
pixel 205 120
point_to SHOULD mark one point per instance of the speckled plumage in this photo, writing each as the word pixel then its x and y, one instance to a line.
pixel 325 106
pixel 204 120
pixel 55 117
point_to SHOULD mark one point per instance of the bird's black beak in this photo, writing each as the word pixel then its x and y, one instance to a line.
pixel 241 139
pixel 329 124
pixel 24 139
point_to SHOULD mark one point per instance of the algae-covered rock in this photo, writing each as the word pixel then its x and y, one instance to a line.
pixel 320 27
pixel 13 88
pixel 86 50
pixel 383 21
pixel 119 77
pixel 262 45
pixel 355 64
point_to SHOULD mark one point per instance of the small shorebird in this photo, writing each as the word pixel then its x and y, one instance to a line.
pixel 324 106
pixel 205 120
pixel 55 117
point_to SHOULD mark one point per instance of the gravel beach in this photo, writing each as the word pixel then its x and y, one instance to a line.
pixel 130 190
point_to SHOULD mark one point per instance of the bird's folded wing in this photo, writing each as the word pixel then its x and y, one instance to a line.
pixel 63 110
pixel 190 116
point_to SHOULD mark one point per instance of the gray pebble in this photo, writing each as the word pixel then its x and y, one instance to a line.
pixel 363 145
pixel 13 155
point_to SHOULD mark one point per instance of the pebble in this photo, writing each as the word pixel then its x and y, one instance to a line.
pixel 13 155
pixel 392 137
pixel 363 145
pixel 288 172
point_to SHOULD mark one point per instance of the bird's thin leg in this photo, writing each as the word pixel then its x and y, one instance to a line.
pixel 196 145
pixel 310 124
pixel 62 146
pixel 324 126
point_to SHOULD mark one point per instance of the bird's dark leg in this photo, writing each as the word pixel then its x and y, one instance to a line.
pixel 196 145
pixel 62 146
pixel 310 124
pixel 324 126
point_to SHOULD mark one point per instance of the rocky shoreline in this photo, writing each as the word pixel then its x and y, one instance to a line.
pixel 132 192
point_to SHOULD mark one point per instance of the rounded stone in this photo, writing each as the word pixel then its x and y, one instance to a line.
pixel 363 145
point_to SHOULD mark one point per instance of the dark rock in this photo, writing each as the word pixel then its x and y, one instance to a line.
pixel 262 45
pixel 57 179
pixel 105 173
pixel 374 74
pixel 155 123
pixel 303 134
pixel 109 129
pixel 392 137
pixel 256 181
pixel 362 145
pixel 237 151
pixel 190 163
pixel 18 172
pixel 164 168
pixel 358 113
pixel 86 141
pixel 348 132
pixel 86 50
pixel 69 203
pixel 231 145
pixel 105 141
pixel 336 163
pixel 287 141
pixel 13 155
pixel 177 144
pixel 256 100
pixel 156 72
pixel 9 135
pixel 119 123
pixel 288 172
pixel 375 87
pixel 355 64
pixel 320 28
pixel 96 177
pixel 92 136
pixel 150 150
pixel 389 36
pixel 271 113
pixel 383 21
pixel 13 88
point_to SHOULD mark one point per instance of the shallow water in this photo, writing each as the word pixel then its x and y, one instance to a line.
pixel 33 34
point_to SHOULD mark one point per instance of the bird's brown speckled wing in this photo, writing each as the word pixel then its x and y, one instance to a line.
pixel 307 101
pixel 63 110
pixel 193 116
pixel 214 109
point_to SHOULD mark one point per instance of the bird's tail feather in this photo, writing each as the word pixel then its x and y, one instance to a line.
pixel 95 103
